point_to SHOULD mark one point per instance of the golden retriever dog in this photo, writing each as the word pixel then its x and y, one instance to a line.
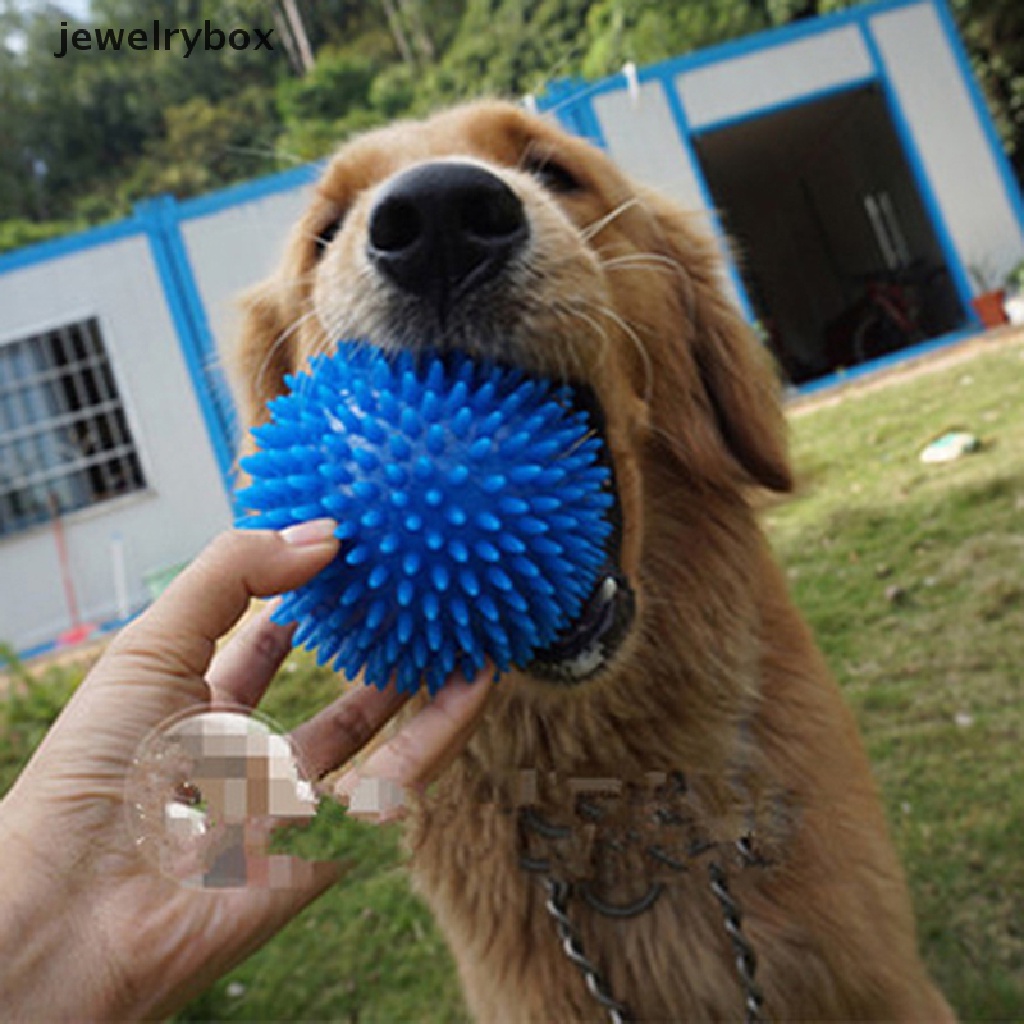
pixel 668 815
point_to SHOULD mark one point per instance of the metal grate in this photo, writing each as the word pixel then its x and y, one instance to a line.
pixel 65 443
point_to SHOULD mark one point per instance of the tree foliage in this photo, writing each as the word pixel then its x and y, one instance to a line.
pixel 84 136
pixel 994 33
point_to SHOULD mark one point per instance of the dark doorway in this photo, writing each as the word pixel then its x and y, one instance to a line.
pixel 836 249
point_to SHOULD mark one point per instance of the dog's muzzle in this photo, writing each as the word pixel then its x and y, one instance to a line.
pixel 443 235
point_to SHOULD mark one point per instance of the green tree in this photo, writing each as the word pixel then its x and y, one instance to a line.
pixel 993 31
pixel 20 195
pixel 511 47
pixel 650 30
pixel 208 145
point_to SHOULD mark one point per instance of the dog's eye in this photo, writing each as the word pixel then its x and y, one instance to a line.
pixel 555 177
pixel 325 236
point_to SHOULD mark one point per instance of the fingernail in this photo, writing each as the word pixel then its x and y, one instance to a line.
pixel 315 531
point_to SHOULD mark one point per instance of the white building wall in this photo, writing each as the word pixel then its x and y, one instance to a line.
pixel 184 503
pixel 941 120
pixel 974 200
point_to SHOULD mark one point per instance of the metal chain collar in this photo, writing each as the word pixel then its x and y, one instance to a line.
pixel 560 892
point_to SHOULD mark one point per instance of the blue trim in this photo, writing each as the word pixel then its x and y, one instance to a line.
pixel 919 170
pixel 194 336
pixel 250 191
pixel 981 111
pixel 885 363
pixel 559 98
pixel 212 202
pixel 580 98
pixel 69 245
pixel 36 651
pixel 569 100
pixel 51 646
pixel 564 92
pixel 675 107
pixel 794 32
pixel 214 377
pixel 765 39
pixel 590 125
pixel 777 108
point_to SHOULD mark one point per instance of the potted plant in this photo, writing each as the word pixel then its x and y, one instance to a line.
pixel 988 303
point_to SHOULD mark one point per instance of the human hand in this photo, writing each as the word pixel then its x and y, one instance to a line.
pixel 88 928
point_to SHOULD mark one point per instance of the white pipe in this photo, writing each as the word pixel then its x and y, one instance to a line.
pixel 632 76
pixel 120 576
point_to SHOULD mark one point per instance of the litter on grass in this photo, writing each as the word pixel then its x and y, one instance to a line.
pixel 951 445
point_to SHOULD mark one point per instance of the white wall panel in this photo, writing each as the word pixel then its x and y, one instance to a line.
pixel 773 76
pixel 941 119
pixel 644 141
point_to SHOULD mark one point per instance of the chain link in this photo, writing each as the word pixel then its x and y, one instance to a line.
pixel 559 893
pixel 746 959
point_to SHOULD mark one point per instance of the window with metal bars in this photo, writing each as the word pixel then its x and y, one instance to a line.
pixel 65 443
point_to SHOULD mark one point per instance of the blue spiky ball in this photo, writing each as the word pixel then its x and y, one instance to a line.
pixel 472 506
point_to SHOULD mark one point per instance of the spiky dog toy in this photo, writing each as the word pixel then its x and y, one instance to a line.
pixel 471 501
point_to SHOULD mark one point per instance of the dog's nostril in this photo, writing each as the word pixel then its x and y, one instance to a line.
pixel 395 226
pixel 493 214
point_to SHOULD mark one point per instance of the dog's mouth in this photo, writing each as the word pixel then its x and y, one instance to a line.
pixel 588 643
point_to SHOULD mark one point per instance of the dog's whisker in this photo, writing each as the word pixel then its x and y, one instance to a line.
pixel 533 152
pixel 631 333
pixel 291 284
pixel 274 347
pixel 334 331
pixel 579 313
pixel 641 261
pixel 599 225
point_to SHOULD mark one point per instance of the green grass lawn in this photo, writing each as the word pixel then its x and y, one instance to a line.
pixel 913 578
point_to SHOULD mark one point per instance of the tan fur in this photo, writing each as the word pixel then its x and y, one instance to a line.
pixel 720 678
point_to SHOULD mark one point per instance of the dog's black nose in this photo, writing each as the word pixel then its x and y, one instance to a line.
pixel 441 229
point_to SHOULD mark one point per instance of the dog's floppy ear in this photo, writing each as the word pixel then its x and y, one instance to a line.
pixel 738 386
pixel 263 354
